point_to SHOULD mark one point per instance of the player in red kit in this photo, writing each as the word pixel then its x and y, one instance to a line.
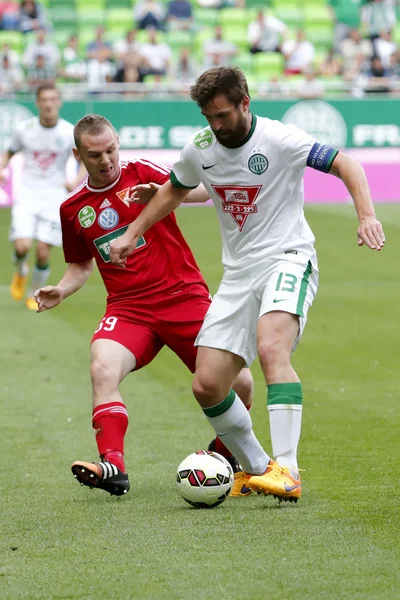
pixel 159 299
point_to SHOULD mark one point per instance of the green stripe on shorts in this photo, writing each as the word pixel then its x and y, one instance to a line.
pixel 303 290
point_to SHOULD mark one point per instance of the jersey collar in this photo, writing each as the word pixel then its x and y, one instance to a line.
pixel 104 189
pixel 248 136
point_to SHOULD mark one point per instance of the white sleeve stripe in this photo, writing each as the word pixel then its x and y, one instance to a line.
pixel 156 166
pixel 75 191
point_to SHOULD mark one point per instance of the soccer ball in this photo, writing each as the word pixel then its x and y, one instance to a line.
pixel 204 479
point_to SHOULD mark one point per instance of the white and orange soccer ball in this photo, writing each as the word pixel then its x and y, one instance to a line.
pixel 204 479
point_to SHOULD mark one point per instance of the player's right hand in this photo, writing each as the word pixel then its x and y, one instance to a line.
pixel 143 193
pixel 48 297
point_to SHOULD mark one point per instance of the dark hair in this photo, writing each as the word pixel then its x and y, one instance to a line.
pixel 34 12
pixel 220 81
pixel 92 124
pixel 46 86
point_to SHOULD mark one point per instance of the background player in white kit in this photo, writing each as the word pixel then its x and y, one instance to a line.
pixel 252 168
pixel 46 142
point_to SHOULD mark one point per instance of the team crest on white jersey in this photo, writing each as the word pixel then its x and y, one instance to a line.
pixel 44 159
pixel 238 201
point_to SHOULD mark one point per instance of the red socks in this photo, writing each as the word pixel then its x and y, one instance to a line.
pixel 111 422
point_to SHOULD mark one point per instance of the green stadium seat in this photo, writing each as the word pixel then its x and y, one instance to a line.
pixel 233 16
pixel 291 14
pixel 396 34
pixel 90 18
pixel 61 37
pixel 14 39
pixel 70 4
pixel 268 63
pixel 237 34
pixel 119 4
pixel 244 61
pixel 321 36
pixel 179 39
pixel 205 16
pixel 90 5
pixel 142 36
pixel 63 18
pixel 317 14
pixel 203 36
pixel 119 18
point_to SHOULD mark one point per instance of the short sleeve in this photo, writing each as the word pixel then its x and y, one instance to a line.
pixel 153 172
pixel 296 146
pixel 74 247
pixel 16 141
pixel 184 173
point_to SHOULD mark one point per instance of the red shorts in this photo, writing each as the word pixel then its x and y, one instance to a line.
pixel 145 328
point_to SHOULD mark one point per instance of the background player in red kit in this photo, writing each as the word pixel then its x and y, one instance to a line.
pixel 159 299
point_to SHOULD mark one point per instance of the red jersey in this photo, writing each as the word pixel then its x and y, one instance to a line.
pixel 91 218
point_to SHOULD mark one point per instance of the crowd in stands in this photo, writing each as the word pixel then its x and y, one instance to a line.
pixel 315 47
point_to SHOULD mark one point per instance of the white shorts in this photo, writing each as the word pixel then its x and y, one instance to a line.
pixel 287 282
pixel 35 216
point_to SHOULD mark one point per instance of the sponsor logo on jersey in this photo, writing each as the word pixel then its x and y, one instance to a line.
pixel 105 203
pixel 103 243
pixel 108 219
pixel 258 164
pixel 203 140
pixel 87 216
pixel 124 195
pixel 10 115
pixel 320 119
pixel 238 201
pixel 44 159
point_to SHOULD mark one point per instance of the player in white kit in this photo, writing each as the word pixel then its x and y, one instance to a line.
pixel 46 142
pixel 252 168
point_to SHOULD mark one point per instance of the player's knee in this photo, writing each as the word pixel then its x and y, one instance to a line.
pixel 207 389
pixel 272 352
pixel 22 247
pixel 103 375
pixel 42 254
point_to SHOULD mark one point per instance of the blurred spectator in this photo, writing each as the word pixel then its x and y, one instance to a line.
pixel 99 49
pixel 156 56
pixel 41 71
pixel 74 67
pixel 9 15
pixel 331 65
pixel 378 16
pixel 100 71
pixel 384 47
pixel 12 55
pixel 31 16
pixel 347 16
pixel 309 87
pixel 130 71
pixel 125 45
pixel 149 13
pixel 41 47
pixel 299 54
pixel 11 77
pixel 265 33
pixel 380 80
pixel 220 47
pixel 179 14
pixel 185 70
pixel 355 52
pixel 211 3
pixel 395 65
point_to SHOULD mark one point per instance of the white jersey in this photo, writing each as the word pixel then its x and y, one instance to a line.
pixel 46 152
pixel 257 188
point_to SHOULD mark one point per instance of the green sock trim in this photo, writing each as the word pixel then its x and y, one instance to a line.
pixel 219 409
pixel 40 268
pixel 285 393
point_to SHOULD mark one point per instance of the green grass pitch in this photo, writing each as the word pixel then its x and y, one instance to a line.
pixel 341 541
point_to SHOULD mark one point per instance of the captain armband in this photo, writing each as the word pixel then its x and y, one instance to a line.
pixel 321 157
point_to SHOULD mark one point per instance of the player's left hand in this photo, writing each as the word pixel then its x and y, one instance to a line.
pixel 122 247
pixel 143 193
pixel 370 233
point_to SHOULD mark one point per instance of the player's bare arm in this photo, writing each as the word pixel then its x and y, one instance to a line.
pixel 81 175
pixel 164 201
pixel 144 192
pixel 4 160
pixel 74 278
pixel 352 174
